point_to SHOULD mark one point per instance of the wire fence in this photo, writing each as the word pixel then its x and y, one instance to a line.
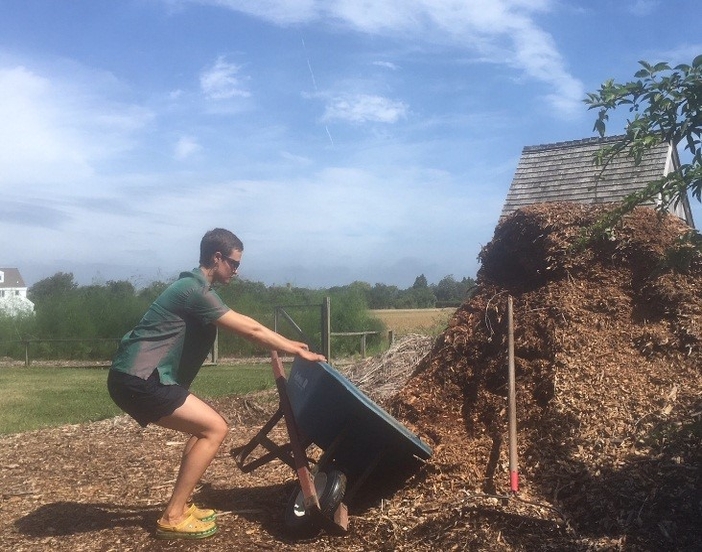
pixel 99 351
pixel 27 351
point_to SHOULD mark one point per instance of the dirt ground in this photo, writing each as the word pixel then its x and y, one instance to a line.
pixel 608 355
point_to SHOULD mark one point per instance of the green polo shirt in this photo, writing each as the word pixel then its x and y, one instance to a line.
pixel 176 333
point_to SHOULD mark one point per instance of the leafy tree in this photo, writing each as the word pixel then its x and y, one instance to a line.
pixel 349 313
pixel 416 298
pixel 13 328
pixel 666 106
pixel 121 288
pixel 382 296
pixel 420 282
pixel 152 291
pixel 449 291
pixel 112 309
pixel 57 285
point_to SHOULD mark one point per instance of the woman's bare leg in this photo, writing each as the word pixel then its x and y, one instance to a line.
pixel 208 430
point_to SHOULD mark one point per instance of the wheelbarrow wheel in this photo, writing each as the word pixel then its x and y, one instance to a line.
pixel 330 487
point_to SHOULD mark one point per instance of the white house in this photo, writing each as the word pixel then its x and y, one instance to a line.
pixel 13 293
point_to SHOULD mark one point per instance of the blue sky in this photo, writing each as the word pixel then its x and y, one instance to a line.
pixel 340 140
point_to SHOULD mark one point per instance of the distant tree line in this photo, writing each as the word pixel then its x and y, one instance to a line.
pixel 76 317
pixel 449 292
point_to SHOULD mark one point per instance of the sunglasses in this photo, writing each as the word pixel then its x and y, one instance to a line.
pixel 234 265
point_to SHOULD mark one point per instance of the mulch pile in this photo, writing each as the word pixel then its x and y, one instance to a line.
pixel 608 355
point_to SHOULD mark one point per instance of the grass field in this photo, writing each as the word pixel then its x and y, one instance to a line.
pixel 406 321
pixel 38 397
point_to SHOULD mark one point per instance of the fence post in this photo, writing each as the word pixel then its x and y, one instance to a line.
pixel 326 328
pixel 26 353
pixel 215 348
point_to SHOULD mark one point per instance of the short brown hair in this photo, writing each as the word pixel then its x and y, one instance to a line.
pixel 216 240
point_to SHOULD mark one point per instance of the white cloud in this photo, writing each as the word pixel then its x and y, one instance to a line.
pixel 297 160
pixel 29 121
pixel 500 31
pixel 386 65
pixel 360 108
pixel 57 129
pixel 186 147
pixel 282 12
pixel 222 81
pixel 537 55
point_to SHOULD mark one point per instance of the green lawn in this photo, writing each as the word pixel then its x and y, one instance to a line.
pixel 36 397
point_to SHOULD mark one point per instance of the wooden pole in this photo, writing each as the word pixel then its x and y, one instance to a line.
pixel 513 468
pixel 326 328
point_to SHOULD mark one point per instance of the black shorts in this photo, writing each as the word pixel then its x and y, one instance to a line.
pixel 145 400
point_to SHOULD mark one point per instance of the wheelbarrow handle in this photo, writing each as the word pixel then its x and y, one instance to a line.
pixel 301 464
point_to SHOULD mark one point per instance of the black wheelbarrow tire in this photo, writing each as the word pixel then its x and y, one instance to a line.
pixel 330 487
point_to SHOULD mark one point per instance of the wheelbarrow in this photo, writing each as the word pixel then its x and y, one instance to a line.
pixel 356 438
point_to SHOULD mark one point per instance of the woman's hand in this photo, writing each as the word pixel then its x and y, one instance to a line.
pixel 309 355
pixel 301 344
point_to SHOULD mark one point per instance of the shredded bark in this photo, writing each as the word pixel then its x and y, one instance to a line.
pixel 608 349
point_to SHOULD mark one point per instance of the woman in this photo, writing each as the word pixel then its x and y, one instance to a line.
pixel 157 361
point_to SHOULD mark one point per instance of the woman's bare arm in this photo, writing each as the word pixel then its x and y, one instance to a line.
pixel 256 332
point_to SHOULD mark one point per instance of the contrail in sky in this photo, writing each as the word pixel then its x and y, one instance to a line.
pixel 314 83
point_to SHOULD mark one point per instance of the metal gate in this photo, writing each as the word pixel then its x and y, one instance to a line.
pixel 281 313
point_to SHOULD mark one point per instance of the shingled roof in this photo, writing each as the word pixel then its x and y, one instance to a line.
pixel 564 171
pixel 12 279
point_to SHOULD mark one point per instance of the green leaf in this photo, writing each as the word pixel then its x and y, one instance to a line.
pixel 665 106
pixel 662 66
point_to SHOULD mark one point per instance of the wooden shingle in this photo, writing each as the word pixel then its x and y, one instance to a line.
pixel 565 171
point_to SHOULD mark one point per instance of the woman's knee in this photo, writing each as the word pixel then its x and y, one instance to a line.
pixel 221 429
pixel 215 427
pixel 198 419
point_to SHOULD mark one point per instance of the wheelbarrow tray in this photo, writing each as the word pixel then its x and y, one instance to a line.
pixel 339 418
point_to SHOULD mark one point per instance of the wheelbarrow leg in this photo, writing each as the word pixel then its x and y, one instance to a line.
pixel 361 479
pixel 242 453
